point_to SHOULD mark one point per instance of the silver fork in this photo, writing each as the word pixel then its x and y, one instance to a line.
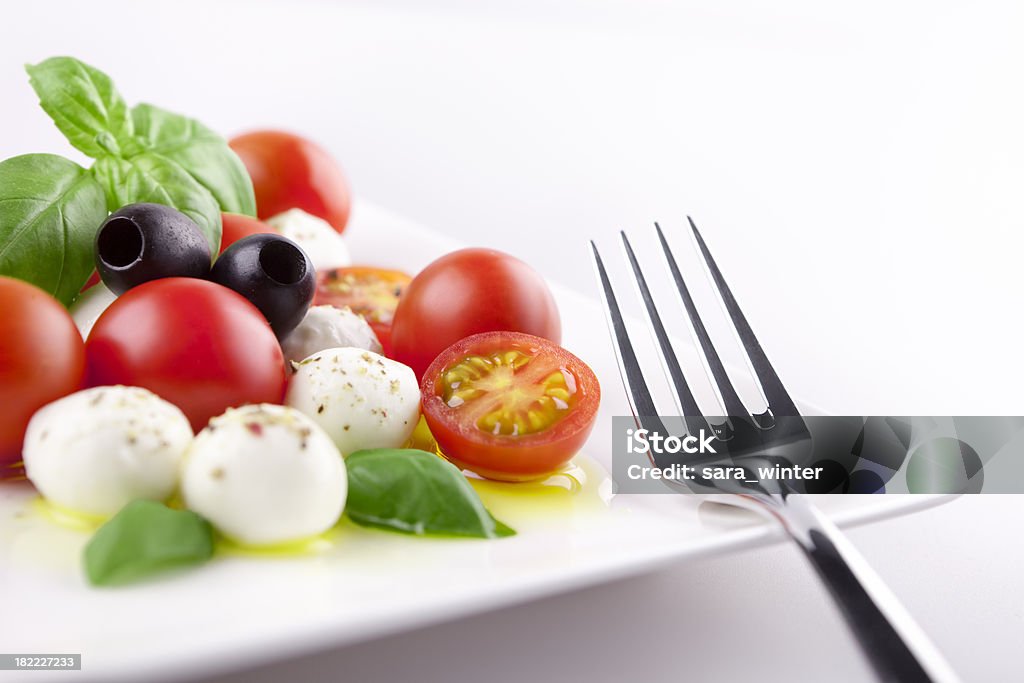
pixel 895 645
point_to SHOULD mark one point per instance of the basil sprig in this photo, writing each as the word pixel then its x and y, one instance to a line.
pixel 415 492
pixel 144 538
pixel 84 104
pixel 48 212
pixel 50 208
pixel 143 154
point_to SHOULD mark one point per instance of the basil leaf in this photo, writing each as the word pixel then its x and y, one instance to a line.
pixel 84 104
pixel 50 210
pixel 415 492
pixel 199 151
pixel 148 177
pixel 146 537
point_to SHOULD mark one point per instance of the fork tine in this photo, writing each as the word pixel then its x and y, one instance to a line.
pixel 779 401
pixel 723 385
pixel 629 367
pixel 645 413
pixel 683 395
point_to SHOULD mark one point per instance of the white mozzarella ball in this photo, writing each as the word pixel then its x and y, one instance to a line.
pixel 327 327
pixel 99 449
pixel 89 306
pixel 265 474
pixel 361 399
pixel 322 243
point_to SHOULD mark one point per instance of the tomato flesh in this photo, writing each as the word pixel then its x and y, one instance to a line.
pixel 509 406
pixel 371 292
pixel 509 392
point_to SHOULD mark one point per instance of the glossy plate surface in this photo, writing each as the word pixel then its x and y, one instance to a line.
pixel 243 609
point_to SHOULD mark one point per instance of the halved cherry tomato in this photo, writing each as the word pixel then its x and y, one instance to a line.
pixel 237 226
pixel 290 172
pixel 509 406
pixel 370 292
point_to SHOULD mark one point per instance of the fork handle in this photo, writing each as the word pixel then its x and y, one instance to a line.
pixel 897 648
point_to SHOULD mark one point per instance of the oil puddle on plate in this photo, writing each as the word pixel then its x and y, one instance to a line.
pixel 36 533
pixel 582 488
pixel 579 492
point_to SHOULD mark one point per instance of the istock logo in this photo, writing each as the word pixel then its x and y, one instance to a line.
pixel 642 441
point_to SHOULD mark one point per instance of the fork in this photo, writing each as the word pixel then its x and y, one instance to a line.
pixel 896 647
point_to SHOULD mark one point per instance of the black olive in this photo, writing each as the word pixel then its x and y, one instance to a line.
pixel 143 242
pixel 273 273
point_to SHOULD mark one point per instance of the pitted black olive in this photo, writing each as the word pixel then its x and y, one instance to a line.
pixel 143 242
pixel 273 273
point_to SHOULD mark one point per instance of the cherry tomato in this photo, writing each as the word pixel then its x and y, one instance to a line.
pixel 291 172
pixel 94 279
pixel 373 293
pixel 237 226
pixel 42 358
pixel 509 406
pixel 195 343
pixel 467 292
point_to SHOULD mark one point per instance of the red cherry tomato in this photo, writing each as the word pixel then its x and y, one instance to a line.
pixel 373 293
pixel 195 343
pixel 94 279
pixel 467 292
pixel 291 172
pixel 42 358
pixel 237 226
pixel 509 406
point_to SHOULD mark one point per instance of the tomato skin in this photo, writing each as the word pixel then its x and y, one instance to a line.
pixel 368 291
pixel 42 359
pixel 502 457
pixel 467 292
pixel 236 226
pixel 192 342
pixel 383 332
pixel 290 172
pixel 93 280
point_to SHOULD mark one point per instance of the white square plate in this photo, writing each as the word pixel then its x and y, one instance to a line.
pixel 243 610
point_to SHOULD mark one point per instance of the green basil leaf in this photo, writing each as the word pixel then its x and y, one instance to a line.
pixel 149 177
pixel 50 210
pixel 199 151
pixel 415 492
pixel 84 104
pixel 146 537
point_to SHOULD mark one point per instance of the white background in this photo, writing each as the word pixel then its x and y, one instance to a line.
pixel 858 170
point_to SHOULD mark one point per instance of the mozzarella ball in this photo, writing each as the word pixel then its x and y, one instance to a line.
pixel 322 243
pixel 265 474
pixel 89 306
pixel 361 399
pixel 99 449
pixel 327 327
